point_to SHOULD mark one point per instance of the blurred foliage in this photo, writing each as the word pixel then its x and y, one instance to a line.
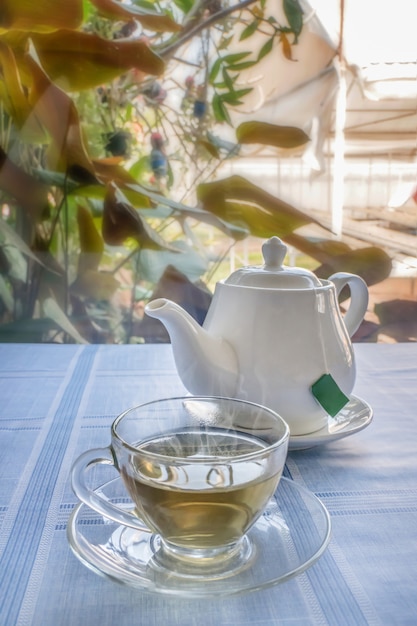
pixel 111 118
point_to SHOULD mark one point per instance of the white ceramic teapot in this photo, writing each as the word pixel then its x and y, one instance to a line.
pixel 270 334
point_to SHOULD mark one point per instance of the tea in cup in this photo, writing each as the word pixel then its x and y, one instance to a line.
pixel 200 472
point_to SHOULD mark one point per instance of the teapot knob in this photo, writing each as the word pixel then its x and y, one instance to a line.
pixel 274 251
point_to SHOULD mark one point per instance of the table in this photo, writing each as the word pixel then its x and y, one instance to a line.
pixel 59 400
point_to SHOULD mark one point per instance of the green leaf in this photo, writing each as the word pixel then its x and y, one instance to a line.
pixel 79 60
pixel 159 212
pixel 13 97
pixel 249 30
pixel 91 242
pixel 147 5
pixel 121 220
pixel 88 10
pixel 266 49
pixel 243 92
pixel 235 58
pixel 240 202
pixel 184 5
pixel 140 168
pixel 9 236
pixel 6 296
pixel 170 176
pixel 223 45
pixel 215 69
pixel 234 97
pixel 56 179
pixel 221 114
pixel 26 330
pixel 186 260
pixel 40 16
pixel 211 149
pixel 28 191
pixel 228 81
pixel 231 230
pixel 17 263
pixel 237 67
pixel 231 98
pixel 271 135
pixel 55 313
pixel 114 10
pixel 58 114
pixel 371 263
pixel 232 149
pixel 294 14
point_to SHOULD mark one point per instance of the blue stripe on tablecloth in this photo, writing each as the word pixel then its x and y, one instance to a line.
pixel 19 428
pixel 341 606
pixel 20 552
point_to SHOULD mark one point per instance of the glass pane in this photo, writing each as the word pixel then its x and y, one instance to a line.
pixel 148 149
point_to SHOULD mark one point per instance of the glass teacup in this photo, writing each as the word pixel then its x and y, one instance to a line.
pixel 200 472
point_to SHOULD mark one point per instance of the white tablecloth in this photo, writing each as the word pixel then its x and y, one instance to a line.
pixel 57 401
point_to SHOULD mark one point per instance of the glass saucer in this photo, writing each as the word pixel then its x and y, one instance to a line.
pixel 355 416
pixel 288 538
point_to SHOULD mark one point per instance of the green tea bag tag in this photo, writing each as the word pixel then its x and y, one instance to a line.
pixel 329 395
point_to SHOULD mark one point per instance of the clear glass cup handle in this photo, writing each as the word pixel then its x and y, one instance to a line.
pixel 93 499
pixel 359 297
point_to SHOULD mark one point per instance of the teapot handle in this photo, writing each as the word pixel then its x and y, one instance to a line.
pixel 359 297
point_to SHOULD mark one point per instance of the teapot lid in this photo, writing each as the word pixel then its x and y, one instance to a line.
pixel 273 274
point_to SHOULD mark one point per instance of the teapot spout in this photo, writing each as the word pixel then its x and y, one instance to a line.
pixel 206 364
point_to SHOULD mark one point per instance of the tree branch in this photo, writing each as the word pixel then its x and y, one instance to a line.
pixel 213 19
